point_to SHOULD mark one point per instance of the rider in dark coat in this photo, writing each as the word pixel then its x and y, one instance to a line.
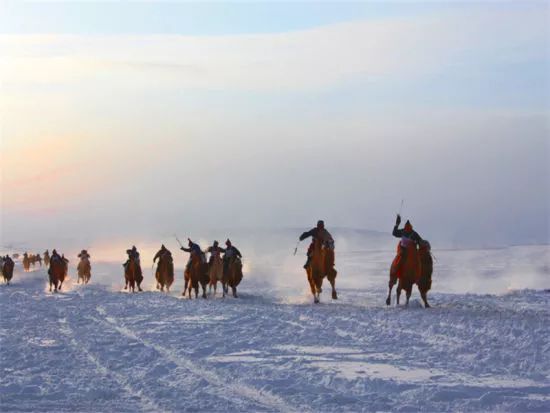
pixel 231 253
pixel 163 250
pixel 193 249
pixel 215 251
pixel 132 253
pixel 320 233
pixel 406 232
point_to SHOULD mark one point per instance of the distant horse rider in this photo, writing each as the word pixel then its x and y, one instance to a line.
pixel 408 236
pixel 84 254
pixel 194 249
pixel 230 254
pixel 319 233
pixel 56 256
pixel 215 252
pixel 163 252
pixel 132 253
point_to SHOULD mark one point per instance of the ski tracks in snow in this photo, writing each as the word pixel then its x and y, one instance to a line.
pixel 146 404
pixel 223 386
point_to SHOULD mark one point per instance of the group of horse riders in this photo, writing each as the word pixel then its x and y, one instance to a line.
pixel 198 271
pixel 230 252
pixel 412 264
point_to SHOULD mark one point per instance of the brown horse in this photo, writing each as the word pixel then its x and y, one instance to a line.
pixel 233 276
pixel 84 269
pixel 195 273
pixel 133 274
pixel 38 258
pixel 57 273
pixel 321 265
pixel 411 266
pixel 427 266
pixel 6 268
pixel 165 272
pixel 26 262
pixel 215 272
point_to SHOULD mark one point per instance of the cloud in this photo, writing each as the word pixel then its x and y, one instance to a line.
pixel 302 60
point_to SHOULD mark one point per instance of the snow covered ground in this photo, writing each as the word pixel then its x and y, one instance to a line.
pixel 485 344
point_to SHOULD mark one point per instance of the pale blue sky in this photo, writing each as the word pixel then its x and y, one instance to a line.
pixel 217 17
pixel 189 18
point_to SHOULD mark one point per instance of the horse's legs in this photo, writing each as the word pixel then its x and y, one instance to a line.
pixel 409 291
pixel 391 283
pixel 317 281
pixel 318 278
pixel 398 291
pixel 332 279
pixel 311 284
pixel 424 295
pixel 185 287
pixel 234 291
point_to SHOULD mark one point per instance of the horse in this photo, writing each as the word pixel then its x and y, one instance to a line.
pixel 47 259
pixel 84 270
pixel 165 272
pixel 426 263
pixel 195 273
pixel 233 276
pixel 133 274
pixel 215 273
pixel 26 262
pixel 57 272
pixel 320 266
pixel 38 258
pixel 405 270
pixel 6 268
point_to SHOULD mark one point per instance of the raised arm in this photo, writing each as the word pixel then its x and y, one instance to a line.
pixel 398 233
pixel 307 234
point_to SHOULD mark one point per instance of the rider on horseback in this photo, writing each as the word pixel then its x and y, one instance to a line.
pixel 230 254
pixel 163 252
pixel 132 253
pixel 320 233
pixel 408 236
pixel 83 254
pixel 407 231
pixel 215 251
pixel 56 256
pixel 193 249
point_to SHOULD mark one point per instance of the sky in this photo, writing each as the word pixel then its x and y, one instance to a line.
pixel 125 118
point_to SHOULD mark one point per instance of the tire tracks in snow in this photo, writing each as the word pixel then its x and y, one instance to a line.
pixel 261 397
pixel 146 403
